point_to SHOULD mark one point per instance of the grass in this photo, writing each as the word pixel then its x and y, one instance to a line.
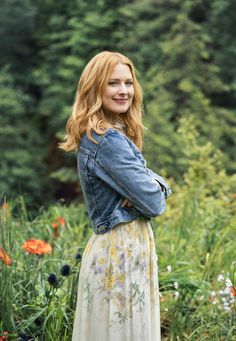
pixel 195 241
pixel 194 248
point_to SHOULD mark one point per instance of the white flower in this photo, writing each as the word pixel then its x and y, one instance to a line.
pixel 166 309
pixel 213 294
pixel 227 309
pixel 169 268
pixel 176 295
pixel 227 290
pixel 176 285
pixel 220 278
pixel 228 282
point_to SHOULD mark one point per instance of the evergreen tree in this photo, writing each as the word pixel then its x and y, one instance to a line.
pixel 180 76
pixel 22 169
pixel 69 38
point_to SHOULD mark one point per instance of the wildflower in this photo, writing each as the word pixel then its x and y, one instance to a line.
pixel 227 290
pixel 78 256
pixel 52 279
pixel 4 256
pixel 213 294
pixel 220 278
pixel 228 282
pixel 176 285
pixel 36 246
pixel 227 307
pixel 233 291
pixel 176 294
pixel 25 337
pixel 65 270
pixel 169 268
pixel 4 336
pixel 55 225
pixel 38 321
pixel 61 220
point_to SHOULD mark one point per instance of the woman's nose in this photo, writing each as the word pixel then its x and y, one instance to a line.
pixel 123 88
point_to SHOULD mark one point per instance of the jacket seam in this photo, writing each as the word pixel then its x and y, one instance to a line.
pixel 92 190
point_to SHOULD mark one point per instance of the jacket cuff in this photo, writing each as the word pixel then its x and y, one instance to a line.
pixel 164 186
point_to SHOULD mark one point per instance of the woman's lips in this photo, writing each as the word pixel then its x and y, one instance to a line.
pixel 120 100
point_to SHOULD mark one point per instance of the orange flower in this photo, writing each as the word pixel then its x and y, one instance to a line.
pixel 4 337
pixel 55 225
pixel 36 246
pixel 61 220
pixel 4 257
pixel 233 291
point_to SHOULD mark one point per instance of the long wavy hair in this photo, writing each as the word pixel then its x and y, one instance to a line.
pixel 87 112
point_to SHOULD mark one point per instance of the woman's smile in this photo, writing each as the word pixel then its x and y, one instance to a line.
pixel 119 92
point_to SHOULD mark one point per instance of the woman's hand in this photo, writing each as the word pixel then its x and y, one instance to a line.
pixel 126 202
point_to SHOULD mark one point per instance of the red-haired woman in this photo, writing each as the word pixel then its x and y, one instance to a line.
pixel 118 297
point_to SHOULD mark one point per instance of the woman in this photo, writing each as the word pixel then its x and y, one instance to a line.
pixel 118 296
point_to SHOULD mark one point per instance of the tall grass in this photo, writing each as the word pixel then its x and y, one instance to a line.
pixel 195 241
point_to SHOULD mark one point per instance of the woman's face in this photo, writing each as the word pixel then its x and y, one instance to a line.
pixel 119 92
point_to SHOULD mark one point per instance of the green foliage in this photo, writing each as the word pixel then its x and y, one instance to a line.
pixel 195 241
pixel 195 238
pixel 22 167
pixel 28 303
pixel 184 68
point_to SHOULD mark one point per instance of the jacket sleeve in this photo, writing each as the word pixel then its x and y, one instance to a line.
pixel 165 187
pixel 119 166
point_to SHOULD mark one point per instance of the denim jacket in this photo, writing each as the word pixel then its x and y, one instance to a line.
pixel 112 170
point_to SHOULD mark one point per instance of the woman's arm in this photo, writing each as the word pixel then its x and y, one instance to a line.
pixel 119 167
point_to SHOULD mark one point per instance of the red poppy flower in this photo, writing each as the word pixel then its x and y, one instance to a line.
pixel 36 246
pixel 4 337
pixel 233 291
pixel 4 257
pixel 61 220
pixel 55 225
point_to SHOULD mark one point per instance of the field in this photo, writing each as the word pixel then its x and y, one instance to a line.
pixel 195 241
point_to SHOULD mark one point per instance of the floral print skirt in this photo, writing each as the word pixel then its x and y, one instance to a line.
pixel 118 296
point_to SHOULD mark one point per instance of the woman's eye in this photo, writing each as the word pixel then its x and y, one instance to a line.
pixel 129 83
pixel 113 83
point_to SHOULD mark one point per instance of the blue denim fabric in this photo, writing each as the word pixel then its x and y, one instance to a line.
pixel 112 170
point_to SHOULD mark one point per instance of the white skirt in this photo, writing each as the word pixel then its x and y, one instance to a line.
pixel 118 295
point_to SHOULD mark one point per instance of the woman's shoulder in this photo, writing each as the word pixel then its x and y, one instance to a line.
pixel 114 138
pixel 113 133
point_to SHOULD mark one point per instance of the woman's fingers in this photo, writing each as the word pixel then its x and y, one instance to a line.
pixel 126 202
pixel 129 204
